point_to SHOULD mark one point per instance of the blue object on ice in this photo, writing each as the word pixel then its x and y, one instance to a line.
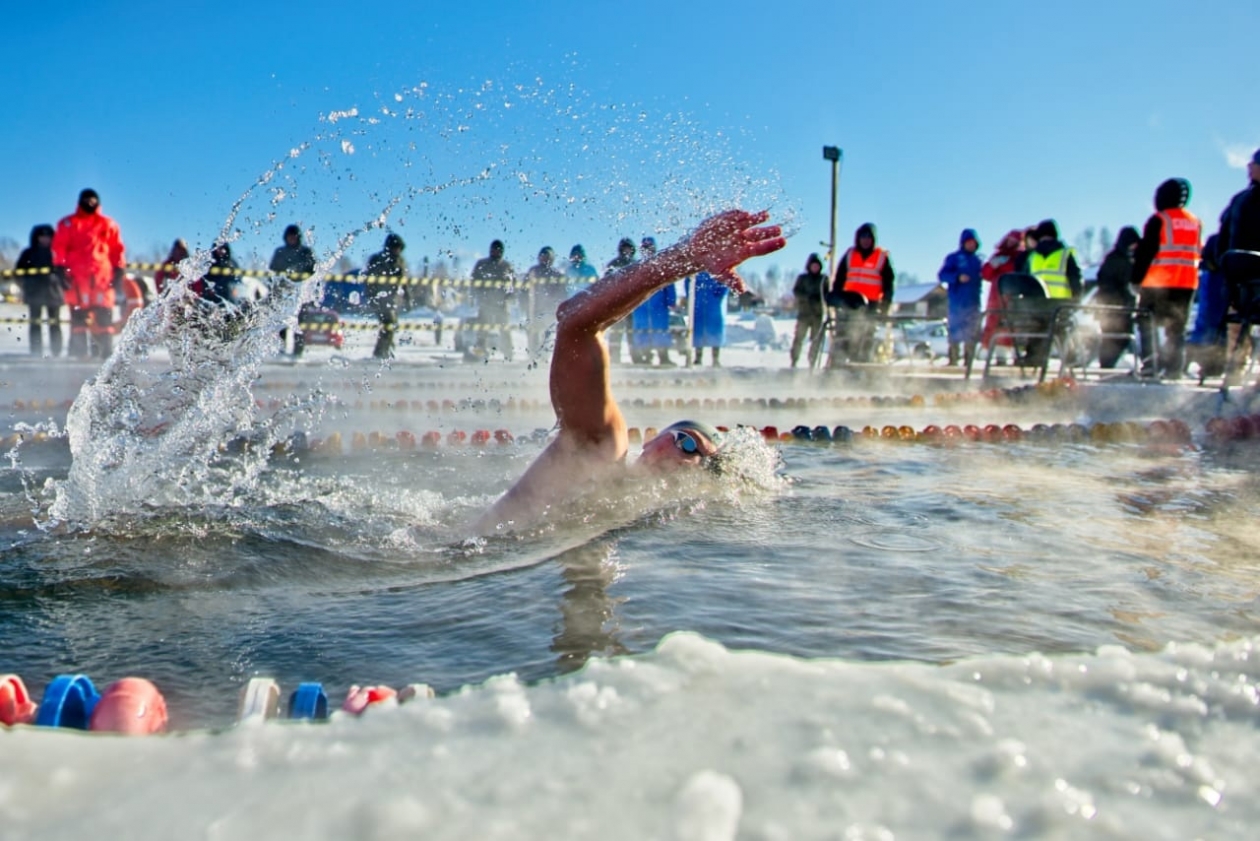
pixel 309 701
pixel 68 702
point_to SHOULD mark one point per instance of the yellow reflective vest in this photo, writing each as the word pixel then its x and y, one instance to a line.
pixel 1051 270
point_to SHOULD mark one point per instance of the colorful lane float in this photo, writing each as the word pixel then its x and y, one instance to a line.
pixel 134 706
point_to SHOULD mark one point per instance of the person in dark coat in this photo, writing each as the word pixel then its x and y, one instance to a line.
pixel 548 288
pixel 1240 223
pixel 385 272
pixel 1115 289
pixel 961 274
pixel 41 290
pixel 495 284
pixel 1206 344
pixel 297 262
pixel 810 310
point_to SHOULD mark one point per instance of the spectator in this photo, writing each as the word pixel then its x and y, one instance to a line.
pixel 169 270
pixel 493 287
pixel 579 273
pixel 650 320
pixel 547 290
pixel 1166 264
pixel 1240 223
pixel 708 326
pixel 220 285
pixel 863 291
pixel 615 333
pixel 1008 255
pixel 961 275
pixel 41 290
pixel 1054 267
pixel 1115 289
pixel 387 292
pixel 88 252
pixel 810 309
pixel 1206 343
pixel 296 262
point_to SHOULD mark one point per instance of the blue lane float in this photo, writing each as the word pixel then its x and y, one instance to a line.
pixel 309 702
pixel 68 702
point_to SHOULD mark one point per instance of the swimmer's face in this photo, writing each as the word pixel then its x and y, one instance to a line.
pixel 675 447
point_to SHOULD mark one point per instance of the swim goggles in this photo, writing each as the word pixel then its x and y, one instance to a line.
pixel 685 441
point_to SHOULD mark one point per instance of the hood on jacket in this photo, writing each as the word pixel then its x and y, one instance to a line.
pixel 1012 243
pixel 37 231
pixel 1127 238
pixel 1046 228
pixel 294 230
pixel 394 241
pixel 813 258
pixel 968 233
pixel 1173 193
pixel 577 251
pixel 864 229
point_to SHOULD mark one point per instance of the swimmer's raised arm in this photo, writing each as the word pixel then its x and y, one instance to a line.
pixel 592 434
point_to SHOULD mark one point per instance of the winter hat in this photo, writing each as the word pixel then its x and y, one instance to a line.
pixel 1255 157
pixel 498 243
pixel 1046 228
pixel 293 230
pixel 968 233
pixel 394 241
pixel 1128 236
pixel 1173 193
pixel 577 251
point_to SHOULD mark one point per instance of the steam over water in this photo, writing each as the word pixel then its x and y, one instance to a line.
pixel 876 641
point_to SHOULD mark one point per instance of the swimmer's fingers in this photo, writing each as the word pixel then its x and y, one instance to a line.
pixel 733 281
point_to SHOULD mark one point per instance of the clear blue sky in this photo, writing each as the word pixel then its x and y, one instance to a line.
pixel 563 122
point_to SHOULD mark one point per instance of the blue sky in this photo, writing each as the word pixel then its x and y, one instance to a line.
pixel 563 122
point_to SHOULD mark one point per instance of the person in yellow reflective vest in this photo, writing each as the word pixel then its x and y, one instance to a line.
pixel 1166 264
pixel 1054 266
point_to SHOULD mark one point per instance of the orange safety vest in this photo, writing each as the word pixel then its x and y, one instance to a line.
pixel 1176 264
pixel 866 275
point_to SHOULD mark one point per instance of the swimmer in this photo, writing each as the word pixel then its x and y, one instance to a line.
pixel 592 441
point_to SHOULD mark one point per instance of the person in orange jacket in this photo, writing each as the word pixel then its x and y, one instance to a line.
pixel 88 257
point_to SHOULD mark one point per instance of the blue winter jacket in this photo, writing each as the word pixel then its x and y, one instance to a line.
pixel 963 295
pixel 709 329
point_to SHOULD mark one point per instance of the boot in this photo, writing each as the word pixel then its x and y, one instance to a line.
pixel 715 351
pixel 953 354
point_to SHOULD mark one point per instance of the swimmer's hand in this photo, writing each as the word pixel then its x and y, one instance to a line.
pixel 725 240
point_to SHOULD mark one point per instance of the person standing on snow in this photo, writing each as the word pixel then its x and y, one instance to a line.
pixel 1166 263
pixel 88 254
pixel 297 260
pixel 650 320
pixel 865 270
pixel 961 275
pixel 546 285
pixel 494 282
pixel 810 310
pixel 41 291
pixel 1115 289
pixel 386 271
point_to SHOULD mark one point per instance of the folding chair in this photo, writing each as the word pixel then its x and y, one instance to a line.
pixel 1027 318
pixel 849 328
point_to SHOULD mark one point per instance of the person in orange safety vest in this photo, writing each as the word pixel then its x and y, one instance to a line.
pixel 861 291
pixel 88 257
pixel 1166 265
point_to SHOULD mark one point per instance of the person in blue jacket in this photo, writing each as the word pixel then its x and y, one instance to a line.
pixel 961 273
pixel 650 320
pixel 708 328
pixel 1206 343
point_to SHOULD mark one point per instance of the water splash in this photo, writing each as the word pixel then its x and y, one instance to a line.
pixel 171 419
